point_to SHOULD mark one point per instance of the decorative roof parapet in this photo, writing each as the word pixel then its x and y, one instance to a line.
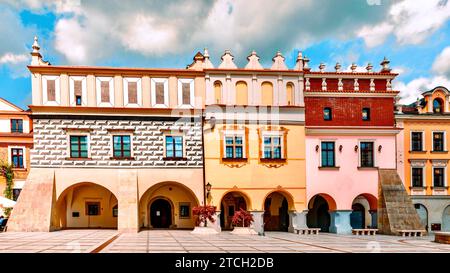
pixel 322 67
pixel 227 61
pixel 299 61
pixel 305 64
pixel 353 67
pixel 207 63
pixel 253 61
pixel 338 67
pixel 369 68
pixel 385 65
pixel 278 62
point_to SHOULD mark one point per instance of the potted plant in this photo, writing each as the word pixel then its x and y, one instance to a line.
pixel 202 215
pixel 242 221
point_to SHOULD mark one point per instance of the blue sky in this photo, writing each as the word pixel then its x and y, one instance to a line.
pixel 413 34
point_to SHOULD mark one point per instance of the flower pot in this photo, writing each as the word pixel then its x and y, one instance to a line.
pixel 204 231
pixel 244 231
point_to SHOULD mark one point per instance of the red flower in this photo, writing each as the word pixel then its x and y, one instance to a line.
pixel 242 216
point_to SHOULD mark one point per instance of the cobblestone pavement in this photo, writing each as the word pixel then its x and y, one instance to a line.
pixel 149 241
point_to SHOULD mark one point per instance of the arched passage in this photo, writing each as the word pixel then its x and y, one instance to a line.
pixel 276 211
pixel 229 204
pixel 86 205
pixel 318 212
pixel 423 214
pixel 167 205
pixel 446 219
pixel 364 209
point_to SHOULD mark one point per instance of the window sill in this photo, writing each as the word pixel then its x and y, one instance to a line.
pixel 367 168
pixel 275 160
pixel 174 158
pixel 336 168
pixel 19 169
pixel 122 158
pixel 78 158
pixel 439 188
pixel 439 152
pixel 418 152
pixel 227 159
pixel 417 188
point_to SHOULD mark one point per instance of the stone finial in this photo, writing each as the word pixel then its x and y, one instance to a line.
pixel 299 61
pixel 305 64
pixel 322 67
pixel 227 61
pixel 207 63
pixel 385 65
pixel 36 57
pixel 35 45
pixel 338 67
pixel 278 62
pixel 353 67
pixel 253 61
pixel 369 68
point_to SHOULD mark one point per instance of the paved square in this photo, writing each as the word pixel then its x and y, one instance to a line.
pixel 182 241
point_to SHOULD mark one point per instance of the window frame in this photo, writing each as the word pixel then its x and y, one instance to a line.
pixel 234 134
pixel 273 134
pixel 22 156
pixel 444 176
pixel 334 154
pixel 368 113
pixel 138 82
pixel 374 163
pixel 412 177
pixel 444 143
pixel 79 148
pixel 165 82
pixel 19 122
pixel 88 203
pixel 57 100
pixel 183 146
pixel 422 144
pixel 184 204
pixel 73 97
pixel 330 113
pixel 99 81
pixel 121 135
pixel 191 103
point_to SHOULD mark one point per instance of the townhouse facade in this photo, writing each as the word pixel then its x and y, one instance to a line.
pixel 350 135
pixel 423 156
pixel 16 140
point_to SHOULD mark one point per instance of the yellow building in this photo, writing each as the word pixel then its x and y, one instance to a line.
pixel 254 142
pixel 423 156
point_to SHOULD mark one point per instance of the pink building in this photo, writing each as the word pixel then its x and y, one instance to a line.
pixel 350 134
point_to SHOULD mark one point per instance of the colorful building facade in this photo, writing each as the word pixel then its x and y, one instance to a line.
pixel 16 140
pixel 254 148
pixel 350 134
pixel 423 156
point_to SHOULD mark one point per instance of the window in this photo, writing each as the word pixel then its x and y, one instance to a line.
pixel 51 90
pixel 234 147
pixel 159 92
pixel 132 92
pixel 437 106
pixel 115 211
pixel 122 146
pixel 417 177
pixel 416 141
pixel 77 90
pixel 174 146
pixel 438 177
pixel 16 193
pixel 328 154
pixel 185 210
pixel 78 147
pixel 366 154
pixel 185 92
pixel 327 115
pixel 16 126
pixel 17 157
pixel 78 100
pixel 105 91
pixel 92 208
pixel 438 141
pixel 366 114
pixel 272 147
pixel 77 87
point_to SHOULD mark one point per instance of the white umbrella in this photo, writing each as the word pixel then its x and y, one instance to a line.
pixel 6 203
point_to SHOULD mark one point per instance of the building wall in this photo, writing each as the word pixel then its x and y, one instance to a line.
pixel 346 111
pixel 347 182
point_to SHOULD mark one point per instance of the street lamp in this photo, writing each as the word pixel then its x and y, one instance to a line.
pixel 208 189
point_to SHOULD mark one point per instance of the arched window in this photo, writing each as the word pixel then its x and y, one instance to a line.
pixel 290 93
pixel 241 93
pixel 437 106
pixel 217 92
pixel 266 93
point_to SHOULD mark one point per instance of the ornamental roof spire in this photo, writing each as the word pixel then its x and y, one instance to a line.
pixel 338 67
pixel 227 61
pixel 253 61
pixel 207 63
pixel 36 57
pixel 35 45
pixel 278 62
pixel 299 61
pixel 385 65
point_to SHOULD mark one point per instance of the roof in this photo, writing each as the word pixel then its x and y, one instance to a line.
pixel 434 89
pixel 11 104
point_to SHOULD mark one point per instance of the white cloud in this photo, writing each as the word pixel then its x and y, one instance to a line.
pixel 411 22
pixel 409 92
pixel 441 64
pixel 10 58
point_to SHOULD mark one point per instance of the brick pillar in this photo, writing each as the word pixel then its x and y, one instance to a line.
pixel 128 201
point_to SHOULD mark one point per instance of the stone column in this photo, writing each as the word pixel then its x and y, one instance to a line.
pixel 297 219
pixel 258 224
pixel 340 222
pixel 374 218
pixel 128 206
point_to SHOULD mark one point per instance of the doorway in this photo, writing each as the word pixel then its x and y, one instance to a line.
pixel 161 214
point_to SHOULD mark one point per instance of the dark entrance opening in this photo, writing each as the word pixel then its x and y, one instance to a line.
pixel 318 216
pixel 276 213
pixel 161 214
pixel 358 216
